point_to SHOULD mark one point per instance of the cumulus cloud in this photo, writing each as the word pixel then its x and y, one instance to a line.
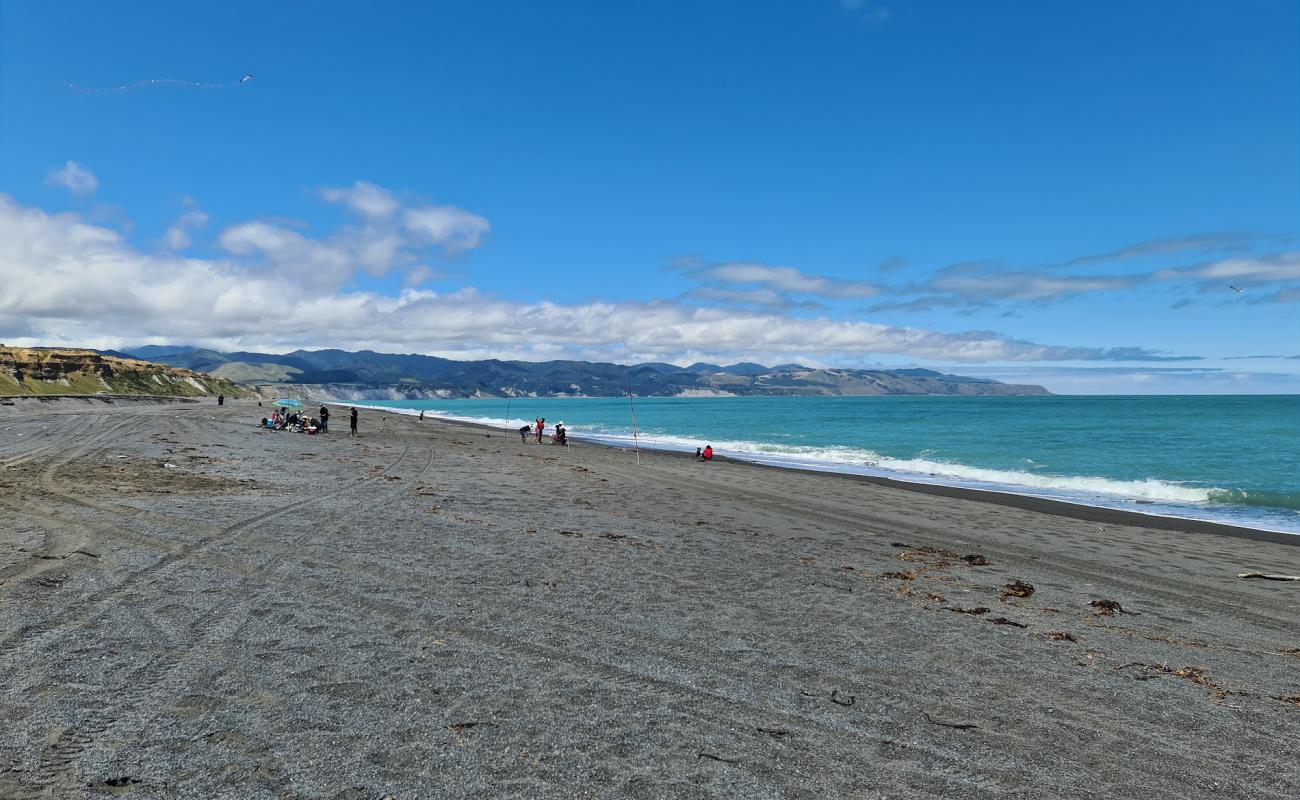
pixel 385 237
pixel 446 226
pixel 364 198
pixel 74 177
pixel 177 236
pixel 69 281
pixel 317 266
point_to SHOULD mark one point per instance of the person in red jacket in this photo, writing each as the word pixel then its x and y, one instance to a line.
pixel 707 453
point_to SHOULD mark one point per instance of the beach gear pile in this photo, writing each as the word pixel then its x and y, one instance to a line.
pixel 282 419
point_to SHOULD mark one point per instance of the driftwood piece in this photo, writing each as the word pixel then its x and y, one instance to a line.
pixel 961 726
pixel 1267 577
pixel 1005 621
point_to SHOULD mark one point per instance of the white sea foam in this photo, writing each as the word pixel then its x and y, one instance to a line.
pixel 1158 496
pixel 851 459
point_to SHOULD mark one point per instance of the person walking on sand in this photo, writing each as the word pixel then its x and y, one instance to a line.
pixel 324 419
pixel 421 415
pixel 537 431
pixel 354 421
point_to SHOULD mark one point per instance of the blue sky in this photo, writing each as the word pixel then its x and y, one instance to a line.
pixel 1051 192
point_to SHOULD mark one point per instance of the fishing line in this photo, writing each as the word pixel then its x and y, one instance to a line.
pixel 126 87
pixel 627 366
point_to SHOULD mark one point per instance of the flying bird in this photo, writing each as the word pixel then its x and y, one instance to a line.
pixel 1235 289
pixel 248 76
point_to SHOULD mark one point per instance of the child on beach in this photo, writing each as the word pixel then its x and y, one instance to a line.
pixel 354 421
pixel 537 431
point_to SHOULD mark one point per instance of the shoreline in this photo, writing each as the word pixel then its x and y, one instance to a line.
pixel 1010 499
pixel 191 605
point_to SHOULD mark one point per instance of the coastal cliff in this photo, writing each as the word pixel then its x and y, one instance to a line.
pixel 69 371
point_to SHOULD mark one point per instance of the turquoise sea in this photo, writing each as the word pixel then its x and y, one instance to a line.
pixel 1227 459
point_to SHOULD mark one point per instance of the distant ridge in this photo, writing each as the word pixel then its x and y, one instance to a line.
pixel 369 375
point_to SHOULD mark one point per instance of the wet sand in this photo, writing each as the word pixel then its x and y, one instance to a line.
pixel 190 607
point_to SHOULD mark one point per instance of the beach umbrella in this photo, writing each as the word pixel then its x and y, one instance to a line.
pixel 293 403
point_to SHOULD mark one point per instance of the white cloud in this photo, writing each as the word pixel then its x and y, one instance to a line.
pixel 1024 285
pixel 420 274
pixel 316 266
pixel 68 281
pixel 1254 269
pixel 764 298
pixel 447 226
pixel 387 237
pixel 783 279
pixel 177 236
pixel 74 177
pixel 1169 244
pixel 364 198
pixel 1142 380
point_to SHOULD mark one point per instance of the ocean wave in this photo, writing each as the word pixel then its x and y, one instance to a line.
pixel 1242 497
pixel 838 458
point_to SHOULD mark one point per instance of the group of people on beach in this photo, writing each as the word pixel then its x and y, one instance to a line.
pixel 559 436
pixel 282 419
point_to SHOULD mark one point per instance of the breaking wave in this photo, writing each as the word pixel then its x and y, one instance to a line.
pixel 1159 496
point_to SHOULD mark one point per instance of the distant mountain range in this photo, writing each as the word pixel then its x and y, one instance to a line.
pixel 344 375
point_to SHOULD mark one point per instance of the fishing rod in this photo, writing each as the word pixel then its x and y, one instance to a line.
pixel 627 368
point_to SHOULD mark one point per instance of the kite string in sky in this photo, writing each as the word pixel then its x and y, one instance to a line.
pixel 160 82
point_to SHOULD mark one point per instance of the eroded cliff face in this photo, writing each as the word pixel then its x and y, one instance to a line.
pixel 49 371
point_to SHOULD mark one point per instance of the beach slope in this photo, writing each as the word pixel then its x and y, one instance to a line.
pixel 191 607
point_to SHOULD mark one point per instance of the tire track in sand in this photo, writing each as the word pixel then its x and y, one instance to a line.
pixel 35 633
pixel 59 760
